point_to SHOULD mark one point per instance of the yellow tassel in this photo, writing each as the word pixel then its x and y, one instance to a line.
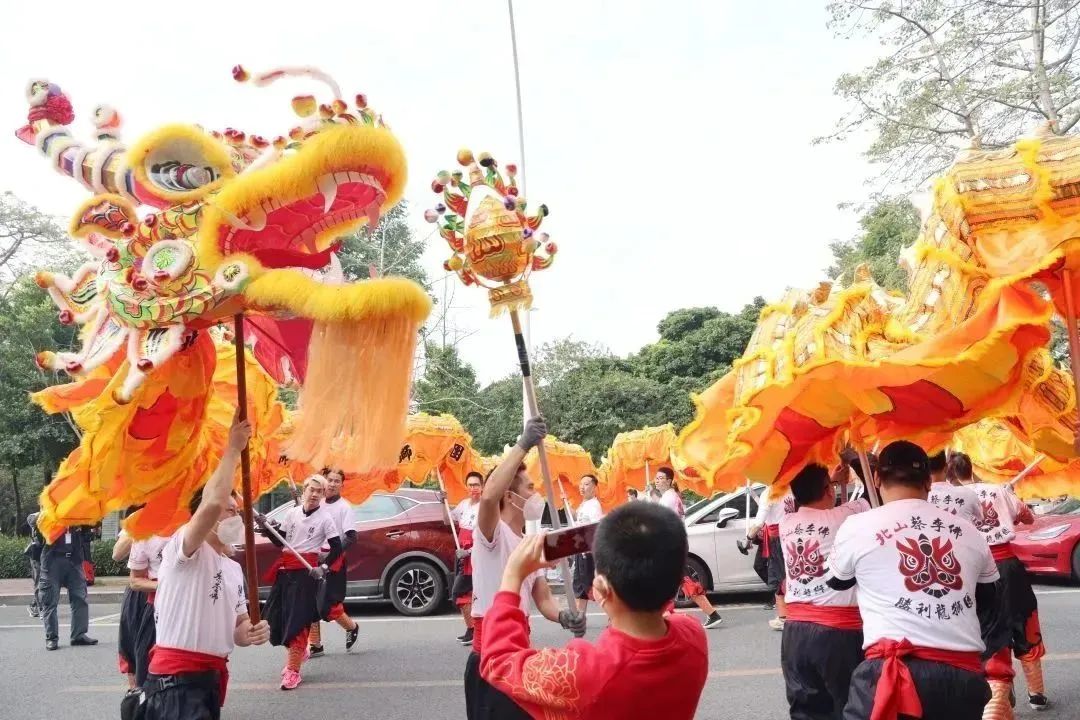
pixel 356 394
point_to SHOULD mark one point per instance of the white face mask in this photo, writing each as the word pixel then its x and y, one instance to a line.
pixel 230 531
pixel 533 509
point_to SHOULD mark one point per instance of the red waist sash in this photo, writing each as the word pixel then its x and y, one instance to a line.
pixel 338 565
pixel 841 617
pixel 771 531
pixel 172 661
pixel 896 693
pixel 1003 551
pixel 288 561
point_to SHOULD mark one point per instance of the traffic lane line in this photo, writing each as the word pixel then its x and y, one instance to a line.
pixel 394 684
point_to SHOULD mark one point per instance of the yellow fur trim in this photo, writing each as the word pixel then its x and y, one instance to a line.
pixel 334 149
pixel 381 297
pixel 191 138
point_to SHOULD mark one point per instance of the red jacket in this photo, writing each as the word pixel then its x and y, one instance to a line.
pixel 618 677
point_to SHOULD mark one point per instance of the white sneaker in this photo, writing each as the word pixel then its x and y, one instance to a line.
pixel 777 623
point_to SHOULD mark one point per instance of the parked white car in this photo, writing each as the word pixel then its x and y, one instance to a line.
pixel 713 526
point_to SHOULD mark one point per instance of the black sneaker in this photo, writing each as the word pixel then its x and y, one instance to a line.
pixel 467 638
pixel 315 651
pixel 1038 701
pixel 84 640
pixel 350 637
pixel 52 644
pixel 32 611
pixel 713 621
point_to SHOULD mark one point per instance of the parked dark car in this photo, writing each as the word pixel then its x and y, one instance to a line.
pixel 404 552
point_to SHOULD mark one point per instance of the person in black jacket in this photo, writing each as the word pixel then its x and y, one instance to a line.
pixel 33 553
pixel 61 567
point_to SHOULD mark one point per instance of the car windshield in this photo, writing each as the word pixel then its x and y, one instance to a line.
pixel 1068 506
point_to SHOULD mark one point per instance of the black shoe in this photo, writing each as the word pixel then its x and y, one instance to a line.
pixel 1038 701
pixel 713 621
pixel 51 644
pixel 84 640
pixel 350 637
pixel 315 651
pixel 467 638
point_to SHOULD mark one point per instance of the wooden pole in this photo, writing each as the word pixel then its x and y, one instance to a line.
pixel 541 452
pixel 449 511
pixel 251 569
pixel 1074 340
pixel 868 485
pixel 566 503
pixel 647 480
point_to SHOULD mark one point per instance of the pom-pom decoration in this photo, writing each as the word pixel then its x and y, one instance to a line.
pixel 485 224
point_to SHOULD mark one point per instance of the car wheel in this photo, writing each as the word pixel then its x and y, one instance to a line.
pixel 417 588
pixel 1076 563
pixel 695 570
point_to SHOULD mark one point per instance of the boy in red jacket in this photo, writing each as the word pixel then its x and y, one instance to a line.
pixel 643 665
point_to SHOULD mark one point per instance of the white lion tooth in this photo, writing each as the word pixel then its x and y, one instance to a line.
pixel 341 177
pixel 328 186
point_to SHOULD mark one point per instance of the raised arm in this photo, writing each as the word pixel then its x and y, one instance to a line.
pixel 122 548
pixel 216 492
pixel 487 517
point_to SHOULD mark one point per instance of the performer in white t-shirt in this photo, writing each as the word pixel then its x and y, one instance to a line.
pixel 144 564
pixel 293 603
pixel 332 607
pixel 951 496
pixel 200 607
pixel 1018 630
pixel 465 516
pixel 924 578
pixel 770 512
pixel 823 638
pixel 507 502
pixel 589 511
pixel 692 588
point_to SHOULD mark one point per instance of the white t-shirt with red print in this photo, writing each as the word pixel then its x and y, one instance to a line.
pixel 488 562
pixel 957 499
pixel 1000 508
pixel 465 513
pixel 808 535
pixel 146 555
pixel 307 533
pixel 916 567
pixel 340 511
pixel 198 599
pixel 773 509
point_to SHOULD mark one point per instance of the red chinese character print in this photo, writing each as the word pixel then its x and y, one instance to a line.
pixel 805 561
pixel 990 518
pixel 929 566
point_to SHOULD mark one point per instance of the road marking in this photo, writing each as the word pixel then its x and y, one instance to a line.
pixel 1063 591
pixel 104 617
pixel 394 684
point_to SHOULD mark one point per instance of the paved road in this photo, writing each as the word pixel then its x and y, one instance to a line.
pixel 411 669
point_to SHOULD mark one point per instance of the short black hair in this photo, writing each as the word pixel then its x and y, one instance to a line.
pixel 810 484
pixel 591 477
pixel 641 549
pixel 667 472
pixel 904 463
pixel 960 466
pixel 474 474
pixel 851 458
pixel 631 491
pixel 938 462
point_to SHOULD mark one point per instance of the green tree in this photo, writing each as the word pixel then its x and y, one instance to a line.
pixel 391 250
pixel 953 73
pixel 448 383
pixel 31 443
pixel 886 229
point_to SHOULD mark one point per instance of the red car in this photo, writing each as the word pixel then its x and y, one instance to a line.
pixel 1051 545
pixel 403 553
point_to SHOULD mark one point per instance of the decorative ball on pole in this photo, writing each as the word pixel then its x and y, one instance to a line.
pixel 494 240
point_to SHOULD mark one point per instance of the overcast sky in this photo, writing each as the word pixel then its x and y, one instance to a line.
pixel 671 140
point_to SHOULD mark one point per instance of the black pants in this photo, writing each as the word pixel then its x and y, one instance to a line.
pixel 482 701
pixel 584 572
pixel 187 701
pixel 776 572
pixel 818 662
pixel 60 571
pixel 946 693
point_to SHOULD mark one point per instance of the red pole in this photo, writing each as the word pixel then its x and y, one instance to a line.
pixel 251 569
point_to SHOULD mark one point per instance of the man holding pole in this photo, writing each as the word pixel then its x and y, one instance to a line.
pixel 332 608
pixel 507 501
pixel 200 607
